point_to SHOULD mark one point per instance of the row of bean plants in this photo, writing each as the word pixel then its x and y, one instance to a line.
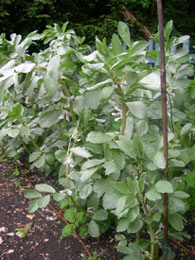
pixel 93 121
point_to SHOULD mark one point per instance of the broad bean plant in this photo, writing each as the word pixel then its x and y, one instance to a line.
pixel 91 117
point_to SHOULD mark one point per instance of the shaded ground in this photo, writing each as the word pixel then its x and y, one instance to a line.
pixel 44 228
pixel 42 240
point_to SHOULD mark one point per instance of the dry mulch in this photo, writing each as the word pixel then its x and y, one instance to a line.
pixel 44 227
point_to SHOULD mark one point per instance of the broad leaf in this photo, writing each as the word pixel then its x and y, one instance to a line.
pixel 176 221
pixel 138 109
pixel 80 151
pixel 98 137
pixel 49 118
pixel 101 215
pixel 164 187
pixel 44 188
pixel 159 160
pixel 32 194
pixel 93 229
pixel 52 76
pixel 124 33
pixel 43 201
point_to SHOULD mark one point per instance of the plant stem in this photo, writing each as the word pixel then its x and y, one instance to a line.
pixel 35 145
pixel 138 237
pixel 67 92
pixel 124 116
pixel 152 240
pixel 122 101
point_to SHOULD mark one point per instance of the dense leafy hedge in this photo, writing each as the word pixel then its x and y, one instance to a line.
pixel 90 18
pixel 93 120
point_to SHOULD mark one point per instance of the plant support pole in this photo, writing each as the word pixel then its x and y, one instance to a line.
pixel 164 117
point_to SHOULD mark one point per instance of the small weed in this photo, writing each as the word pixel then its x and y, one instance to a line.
pixel 93 257
pixel 16 171
pixel 17 183
pixel 23 232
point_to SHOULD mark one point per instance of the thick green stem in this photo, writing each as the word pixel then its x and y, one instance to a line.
pixel 152 240
pixel 35 145
pixel 25 147
pixel 67 176
pixel 138 237
pixel 122 101
pixel 124 117
pixel 67 92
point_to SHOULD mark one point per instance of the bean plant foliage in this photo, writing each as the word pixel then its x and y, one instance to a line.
pixel 93 120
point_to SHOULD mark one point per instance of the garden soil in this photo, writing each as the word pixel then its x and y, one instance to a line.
pixel 44 227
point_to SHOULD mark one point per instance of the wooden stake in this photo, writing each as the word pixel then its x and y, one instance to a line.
pixel 164 115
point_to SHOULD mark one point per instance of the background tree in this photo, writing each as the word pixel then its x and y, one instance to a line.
pixel 93 17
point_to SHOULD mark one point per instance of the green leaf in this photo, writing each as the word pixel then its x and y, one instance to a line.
pixel 121 204
pixel 91 163
pixel 138 47
pixel 133 214
pixel 68 230
pixel 85 191
pixel 117 47
pixel 122 187
pixel 131 79
pixel 101 215
pixel 141 127
pixel 93 229
pixel 58 196
pixel 109 200
pixel 124 33
pixel 31 194
pixel 80 216
pixel 25 67
pixel 129 127
pixel 98 137
pixel 168 29
pixel 119 158
pixel 176 221
pixel 100 84
pixel 61 155
pixel 49 118
pixel 52 76
pixel 102 186
pixel 135 226
pixel 156 217
pixel 138 109
pixel 13 132
pixel 122 224
pixel 40 162
pixel 153 194
pixel 164 187
pixel 80 151
pixel 33 156
pixel 126 146
pixel 186 129
pixel 180 194
pixel 86 174
pixel 70 215
pixel 141 182
pixel 176 205
pixel 43 201
pixel 152 80
pixel 33 206
pixel 110 167
pixel 44 188
pixel 159 160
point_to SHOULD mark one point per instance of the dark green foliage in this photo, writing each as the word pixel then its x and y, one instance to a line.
pixel 90 18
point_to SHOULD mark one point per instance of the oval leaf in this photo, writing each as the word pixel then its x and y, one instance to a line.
pixel 44 188
pixel 164 187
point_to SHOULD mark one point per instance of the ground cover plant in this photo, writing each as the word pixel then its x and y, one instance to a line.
pixel 92 119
